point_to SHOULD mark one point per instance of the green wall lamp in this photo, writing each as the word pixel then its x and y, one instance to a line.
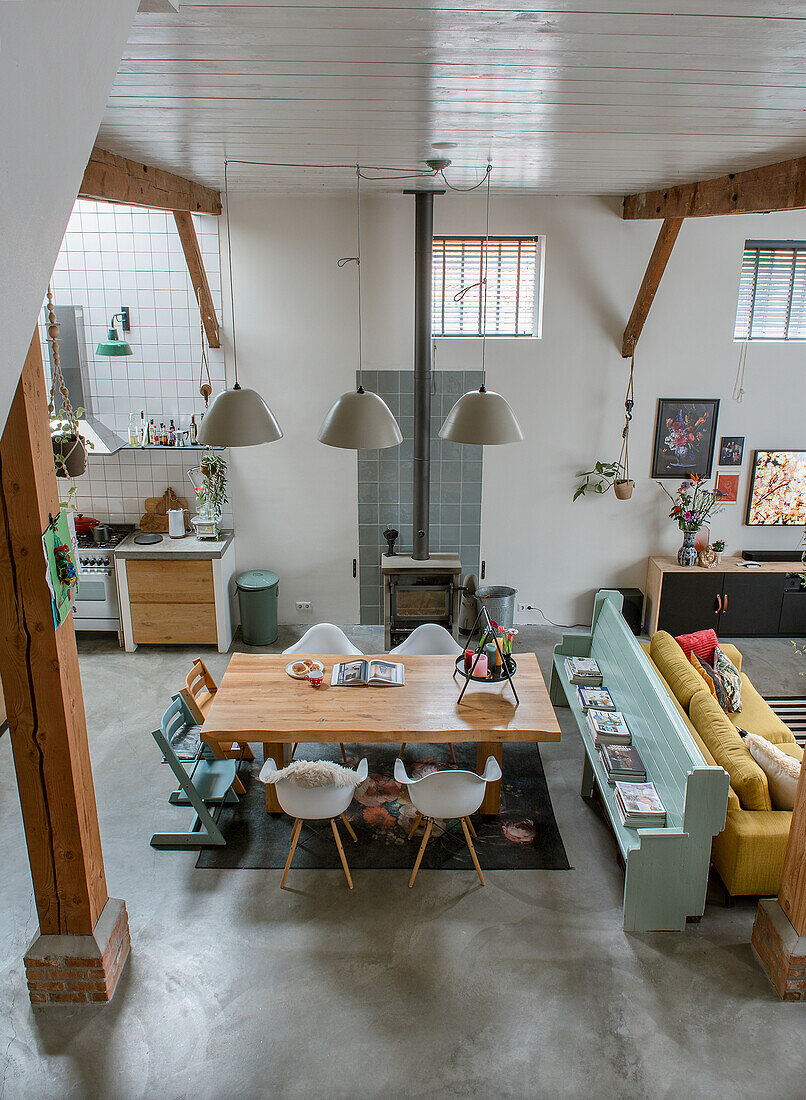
pixel 113 345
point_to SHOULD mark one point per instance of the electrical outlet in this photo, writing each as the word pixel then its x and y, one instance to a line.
pixel 523 607
pixel 303 605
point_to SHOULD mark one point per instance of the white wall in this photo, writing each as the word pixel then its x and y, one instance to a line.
pixel 295 508
pixel 57 64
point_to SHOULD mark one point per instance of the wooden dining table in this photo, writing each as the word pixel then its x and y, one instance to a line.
pixel 257 701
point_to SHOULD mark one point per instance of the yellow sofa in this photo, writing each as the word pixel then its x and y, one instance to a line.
pixel 749 852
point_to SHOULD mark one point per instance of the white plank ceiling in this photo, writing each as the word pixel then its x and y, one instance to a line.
pixel 577 97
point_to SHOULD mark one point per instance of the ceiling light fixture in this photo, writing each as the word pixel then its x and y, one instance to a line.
pixel 237 417
pixel 359 420
pixel 482 417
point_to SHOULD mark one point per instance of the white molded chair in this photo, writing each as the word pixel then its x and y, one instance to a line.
pixel 324 638
pixel 429 639
pixel 315 804
pixel 447 794
pixel 321 639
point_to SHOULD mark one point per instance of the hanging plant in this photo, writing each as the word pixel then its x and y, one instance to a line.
pixel 615 475
pixel 69 446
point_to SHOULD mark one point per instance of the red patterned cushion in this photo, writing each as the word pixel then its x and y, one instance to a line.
pixel 703 643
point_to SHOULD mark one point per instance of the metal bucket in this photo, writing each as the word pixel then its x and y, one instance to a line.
pixel 499 601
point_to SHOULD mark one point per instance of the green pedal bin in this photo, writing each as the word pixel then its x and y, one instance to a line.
pixel 258 590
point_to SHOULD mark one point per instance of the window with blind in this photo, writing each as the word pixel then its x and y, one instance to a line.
pixel 772 291
pixel 514 292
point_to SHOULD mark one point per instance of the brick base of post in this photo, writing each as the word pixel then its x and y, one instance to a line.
pixel 80 969
pixel 780 950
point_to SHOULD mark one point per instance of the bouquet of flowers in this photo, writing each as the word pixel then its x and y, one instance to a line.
pixel 693 503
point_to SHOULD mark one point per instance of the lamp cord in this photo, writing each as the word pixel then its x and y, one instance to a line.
pixel 358 265
pixel 484 283
pixel 231 291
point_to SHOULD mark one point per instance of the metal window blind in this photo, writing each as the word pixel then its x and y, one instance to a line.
pixel 512 269
pixel 772 291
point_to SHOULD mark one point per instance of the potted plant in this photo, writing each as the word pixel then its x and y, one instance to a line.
pixel 718 547
pixel 693 503
pixel 604 476
pixel 211 494
pixel 69 446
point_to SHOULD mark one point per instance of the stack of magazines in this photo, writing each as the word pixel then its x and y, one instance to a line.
pixel 639 806
pixel 607 727
pixel 595 698
pixel 583 670
pixel 622 763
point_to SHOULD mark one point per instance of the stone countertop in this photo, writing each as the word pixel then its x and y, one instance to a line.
pixel 175 549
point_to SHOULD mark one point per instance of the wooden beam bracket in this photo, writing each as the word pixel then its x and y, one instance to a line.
pixel 650 283
pixel 198 276
pixel 111 178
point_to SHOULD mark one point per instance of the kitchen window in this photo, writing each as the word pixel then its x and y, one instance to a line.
pixel 514 272
pixel 772 291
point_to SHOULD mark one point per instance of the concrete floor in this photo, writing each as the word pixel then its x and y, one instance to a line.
pixel 526 988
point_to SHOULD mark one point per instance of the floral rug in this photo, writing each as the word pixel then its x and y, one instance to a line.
pixel 524 835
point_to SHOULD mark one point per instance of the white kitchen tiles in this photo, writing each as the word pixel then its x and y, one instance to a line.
pixel 113 256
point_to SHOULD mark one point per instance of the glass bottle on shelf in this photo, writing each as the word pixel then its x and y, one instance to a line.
pixel 194 431
pixel 152 433
pixel 171 434
pixel 134 434
pixel 143 440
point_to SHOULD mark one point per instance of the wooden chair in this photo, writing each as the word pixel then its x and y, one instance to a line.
pixel 208 783
pixel 315 804
pixel 447 794
pixel 198 694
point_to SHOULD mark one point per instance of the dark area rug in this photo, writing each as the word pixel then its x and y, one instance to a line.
pixel 524 836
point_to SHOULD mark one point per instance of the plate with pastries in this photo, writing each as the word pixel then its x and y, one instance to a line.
pixel 298 670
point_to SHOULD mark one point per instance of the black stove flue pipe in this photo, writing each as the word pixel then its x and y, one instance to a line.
pixel 423 244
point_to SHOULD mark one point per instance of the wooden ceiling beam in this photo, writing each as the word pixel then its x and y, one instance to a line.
pixel 198 276
pixel 650 283
pixel 111 178
pixel 779 186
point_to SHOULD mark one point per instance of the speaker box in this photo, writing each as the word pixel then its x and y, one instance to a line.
pixel 633 608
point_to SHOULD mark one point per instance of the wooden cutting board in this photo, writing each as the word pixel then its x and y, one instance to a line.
pixel 155 518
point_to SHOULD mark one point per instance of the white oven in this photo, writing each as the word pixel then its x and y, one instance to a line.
pixel 96 606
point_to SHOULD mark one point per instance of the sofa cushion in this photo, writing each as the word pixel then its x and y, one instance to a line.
pixel 701 642
pixel 674 667
pixel 731 680
pixel 749 852
pixel 728 749
pixel 712 680
pixel 758 717
pixel 781 770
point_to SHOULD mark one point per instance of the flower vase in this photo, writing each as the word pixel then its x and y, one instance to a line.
pixel 687 554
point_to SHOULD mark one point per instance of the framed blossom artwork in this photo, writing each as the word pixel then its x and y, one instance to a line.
pixel 727 485
pixel 685 436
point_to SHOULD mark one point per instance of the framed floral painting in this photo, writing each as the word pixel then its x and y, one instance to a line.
pixel 685 435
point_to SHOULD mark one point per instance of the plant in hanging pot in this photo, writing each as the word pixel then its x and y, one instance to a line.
pixel 605 476
pixel 69 446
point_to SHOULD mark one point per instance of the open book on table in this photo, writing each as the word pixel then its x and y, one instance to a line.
pixel 368 673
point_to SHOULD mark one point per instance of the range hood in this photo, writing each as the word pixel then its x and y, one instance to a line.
pixel 73 360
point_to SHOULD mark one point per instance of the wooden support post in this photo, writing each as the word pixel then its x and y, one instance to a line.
pixel 84 940
pixel 650 283
pixel 198 276
pixel 779 931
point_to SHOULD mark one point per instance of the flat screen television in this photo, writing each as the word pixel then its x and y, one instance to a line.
pixel 777 489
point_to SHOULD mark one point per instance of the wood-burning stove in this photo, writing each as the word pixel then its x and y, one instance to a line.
pixel 416 592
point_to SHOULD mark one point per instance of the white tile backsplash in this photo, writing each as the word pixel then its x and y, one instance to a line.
pixel 116 255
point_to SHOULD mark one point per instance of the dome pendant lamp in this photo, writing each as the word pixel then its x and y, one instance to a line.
pixel 482 417
pixel 237 417
pixel 360 420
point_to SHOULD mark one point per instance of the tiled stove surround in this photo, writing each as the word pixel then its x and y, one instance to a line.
pixel 385 483
pixel 115 255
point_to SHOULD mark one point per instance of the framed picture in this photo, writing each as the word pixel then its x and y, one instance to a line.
pixel 728 486
pixel 685 435
pixel 731 450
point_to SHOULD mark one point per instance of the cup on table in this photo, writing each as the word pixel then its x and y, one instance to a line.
pixel 316 676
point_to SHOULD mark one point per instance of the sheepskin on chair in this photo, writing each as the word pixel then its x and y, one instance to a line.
pixel 311 773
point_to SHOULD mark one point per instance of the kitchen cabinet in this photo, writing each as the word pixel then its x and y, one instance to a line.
pixel 734 600
pixel 177 592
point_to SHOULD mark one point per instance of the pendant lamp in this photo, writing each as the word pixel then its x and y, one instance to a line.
pixel 237 417
pixel 360 420
pixel 482 417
